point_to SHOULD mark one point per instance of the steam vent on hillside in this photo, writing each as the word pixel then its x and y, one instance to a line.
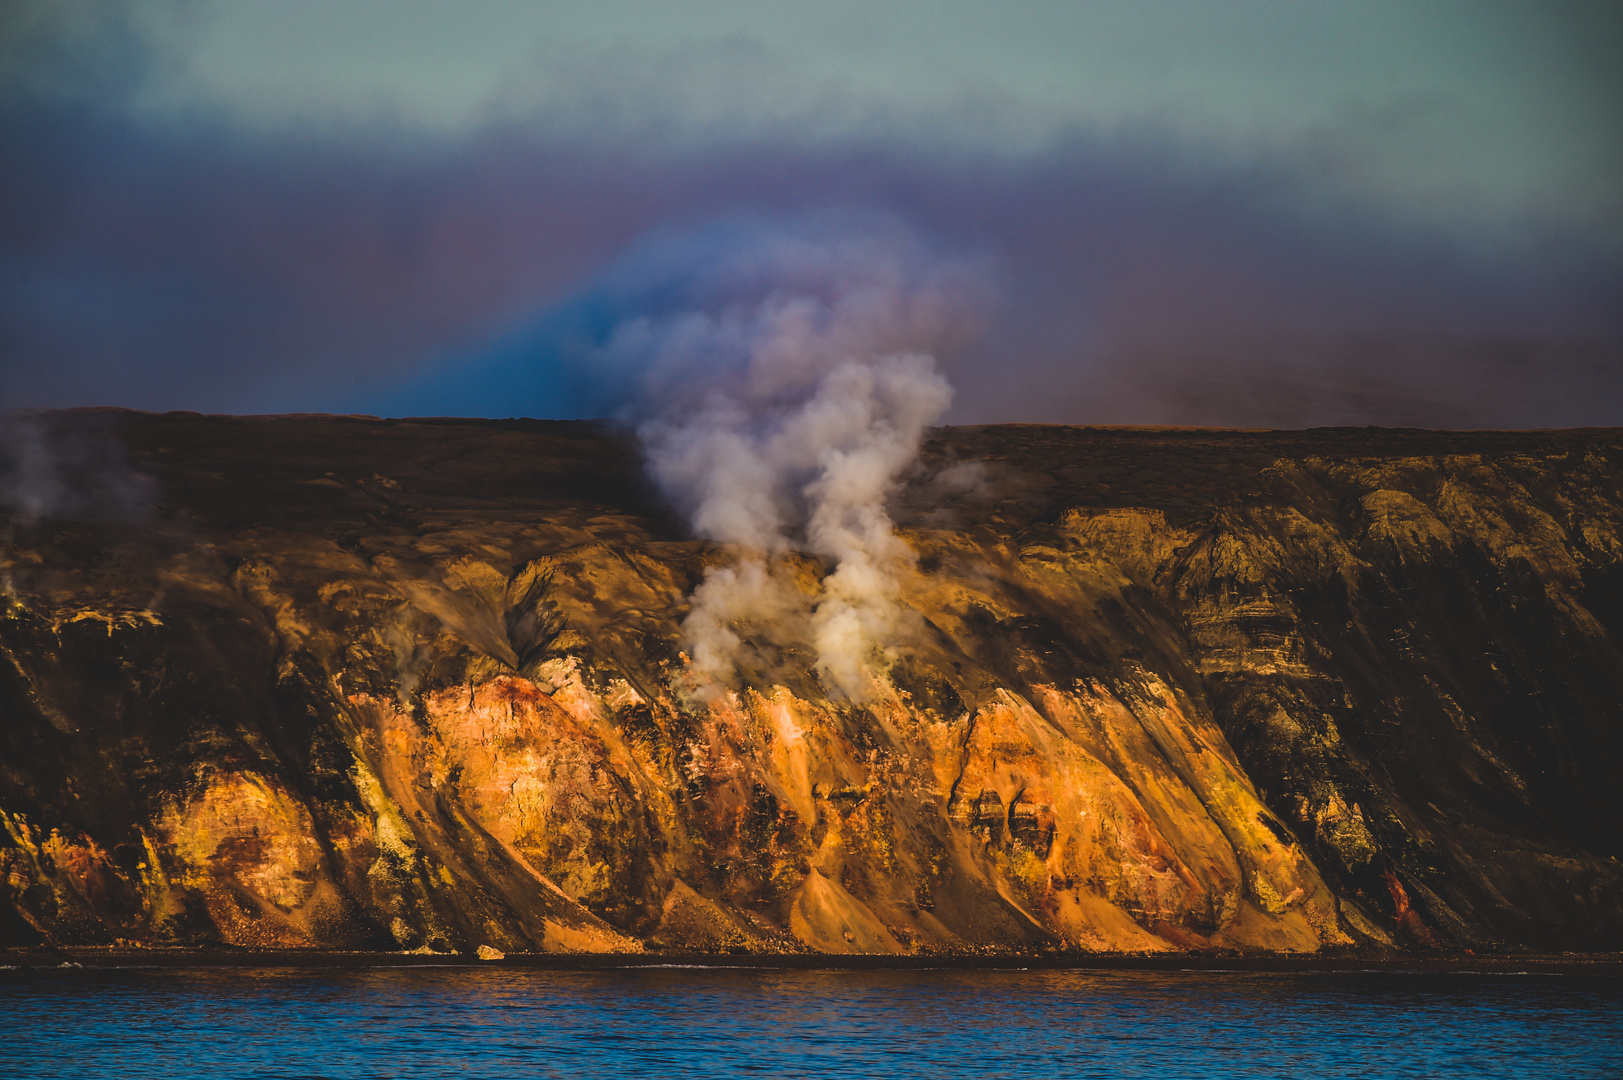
pixel 343 683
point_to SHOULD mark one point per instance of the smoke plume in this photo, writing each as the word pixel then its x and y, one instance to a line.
pixel 781 376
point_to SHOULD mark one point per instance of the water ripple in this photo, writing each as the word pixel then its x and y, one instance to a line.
pixel 763 1023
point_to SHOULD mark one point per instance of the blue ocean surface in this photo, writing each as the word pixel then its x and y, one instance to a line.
pixel 513 1022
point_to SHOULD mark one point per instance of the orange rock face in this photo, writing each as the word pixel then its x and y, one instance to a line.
pixel 1157 691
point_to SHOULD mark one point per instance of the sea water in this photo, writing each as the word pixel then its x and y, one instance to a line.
pixel 511 1022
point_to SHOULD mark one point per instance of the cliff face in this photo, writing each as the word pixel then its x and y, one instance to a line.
pixel 418 685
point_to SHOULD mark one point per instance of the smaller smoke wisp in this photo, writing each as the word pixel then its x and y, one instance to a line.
pixel 784 378
pixel 66 465
pixel 31 486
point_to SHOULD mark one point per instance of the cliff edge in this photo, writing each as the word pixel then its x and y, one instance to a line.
pixel 347 683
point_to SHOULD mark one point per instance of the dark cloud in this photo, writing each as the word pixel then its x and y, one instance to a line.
pixel 185 262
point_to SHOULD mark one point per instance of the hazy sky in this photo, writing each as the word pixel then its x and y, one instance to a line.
pixel 1217 212
pixel 1501 105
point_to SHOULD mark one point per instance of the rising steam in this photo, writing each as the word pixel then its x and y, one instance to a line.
pixel 783 378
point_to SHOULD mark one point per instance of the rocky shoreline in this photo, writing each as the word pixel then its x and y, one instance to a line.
pixel 1603 965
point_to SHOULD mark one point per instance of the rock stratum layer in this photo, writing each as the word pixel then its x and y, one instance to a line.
pixel 354 684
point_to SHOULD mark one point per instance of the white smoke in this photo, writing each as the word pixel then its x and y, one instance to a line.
pixel 827 463
pixel 786 376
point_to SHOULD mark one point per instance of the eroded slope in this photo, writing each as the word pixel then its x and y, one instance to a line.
pixel 369 684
